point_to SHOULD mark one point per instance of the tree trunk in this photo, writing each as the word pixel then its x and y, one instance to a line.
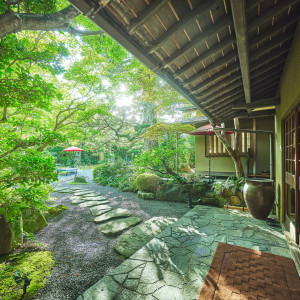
pixel 149 118
pixel 12 22
pixel 234 153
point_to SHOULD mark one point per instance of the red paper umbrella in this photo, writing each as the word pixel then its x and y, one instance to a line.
pixel 73 149
pixel 207 130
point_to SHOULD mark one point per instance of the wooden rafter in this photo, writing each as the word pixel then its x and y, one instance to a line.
pixel 147 13
pixel 197 11
pixel 238 8
pixel 211 31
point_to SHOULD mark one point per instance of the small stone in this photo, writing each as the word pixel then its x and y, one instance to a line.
pixel 115 213
pixel 117 226
pixel 92 203
pixel 100 209
pixel 145 196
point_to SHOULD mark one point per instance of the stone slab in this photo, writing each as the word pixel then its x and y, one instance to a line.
pixel 117 226
pixel 66 191
pixel 82 193
pixel 93 203
pixel 97 198
pixel 113 214
pixel 137 237
pixel 100 209
pixel 92 195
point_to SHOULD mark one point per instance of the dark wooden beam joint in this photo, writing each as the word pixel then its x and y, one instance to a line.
pixel 258 103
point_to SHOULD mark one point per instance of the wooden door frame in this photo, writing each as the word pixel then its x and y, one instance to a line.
pixel 288 180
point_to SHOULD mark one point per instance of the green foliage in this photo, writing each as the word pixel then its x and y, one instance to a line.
pixel 162 158
pixel 117 174
pixel 148 182
pixel 13 270
pixel 231 184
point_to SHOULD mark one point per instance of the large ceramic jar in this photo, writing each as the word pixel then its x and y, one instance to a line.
pixel 259 195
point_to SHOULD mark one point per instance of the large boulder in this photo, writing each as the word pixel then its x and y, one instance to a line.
pixel 170 192
pixel 54 211
pixel 33 220
pixel 11 234
pixel 146 196
pixel 148 182
pixel 80 179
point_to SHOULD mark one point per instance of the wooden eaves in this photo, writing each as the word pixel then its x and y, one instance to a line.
pixel 218 54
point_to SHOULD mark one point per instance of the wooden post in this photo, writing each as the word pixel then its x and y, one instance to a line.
pixel 254 147
pixel 271 157
pixel 177 158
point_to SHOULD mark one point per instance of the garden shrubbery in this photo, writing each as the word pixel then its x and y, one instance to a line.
pixel 116 174
pixel 148 182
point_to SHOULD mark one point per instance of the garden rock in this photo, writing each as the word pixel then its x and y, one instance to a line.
pixel 67 191
pixel 234 200
pixel 170 192
pixel 93 203
pixel 146 196
pixel 135 238
pixel 115 227
pixel 148 182
pixel 80 179
pixel 33 220
pixel 115 213
pixel 100 209
pixel 54 211
pixel 11 234
pixel 93 197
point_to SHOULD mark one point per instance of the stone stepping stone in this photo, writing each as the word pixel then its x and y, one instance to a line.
pixel 82 193
pixel 93 203
pixel 100 209
pixel 75 198
pixel 96 198
pixel 115 227
pixel 115 213
pixel 81 200
pixel 92 195
pixel 66 191
pixel 60 189
pixel 137 237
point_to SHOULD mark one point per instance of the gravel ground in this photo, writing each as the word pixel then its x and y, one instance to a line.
pixel 83 255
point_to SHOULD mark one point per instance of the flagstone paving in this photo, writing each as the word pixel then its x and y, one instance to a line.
pixel 93 203
pixel 92 195
pixel 117 226
pixel 174 264
pixel 138 236
pixel 115 213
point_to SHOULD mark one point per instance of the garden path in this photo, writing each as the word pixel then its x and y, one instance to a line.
pixel 82 253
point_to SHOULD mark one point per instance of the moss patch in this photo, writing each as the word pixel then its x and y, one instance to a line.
pixel 37 264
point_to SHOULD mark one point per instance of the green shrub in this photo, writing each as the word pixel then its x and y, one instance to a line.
pixel 118 175
pixel 148 182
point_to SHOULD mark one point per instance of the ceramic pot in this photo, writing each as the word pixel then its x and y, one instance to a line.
pixel 259 195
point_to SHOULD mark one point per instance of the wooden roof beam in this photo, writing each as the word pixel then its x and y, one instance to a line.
pixel 213 29
pixel 147 13
pixel 264 68
pixel 258 103
pixel 218 63
pixel 233 68
pixel 209 102
pixel 239 15
pixel 267 16
pixel 210 53
pixel 220 105
pixel 196 12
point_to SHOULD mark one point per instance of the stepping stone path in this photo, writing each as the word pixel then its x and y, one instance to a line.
pixel 117 226
pixel 82 193
pixel 100 209
pixel 115 213
pixel 92 195
pixel 98 198
pixel 92 203
pixel 137 237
